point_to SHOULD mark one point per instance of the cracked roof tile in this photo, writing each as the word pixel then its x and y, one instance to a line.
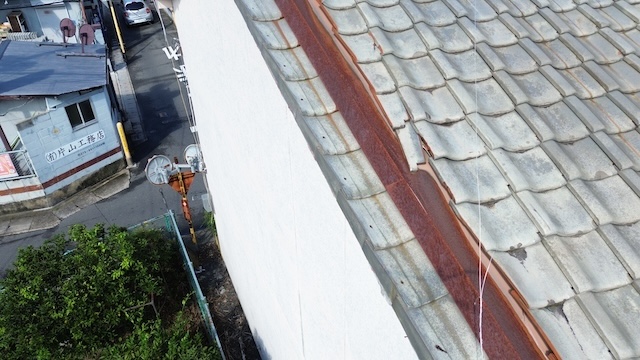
pixel 464 178
pixel 528 170
pixel 455 141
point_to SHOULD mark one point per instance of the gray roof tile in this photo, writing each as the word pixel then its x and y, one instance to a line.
pixel 412 274
pixel 314 100
pixel 611 118
pixel 629 10
pixel 493 32
pixel 583 84
pixel 332 134
pixel 294 64
pixel 365 47
pixel 448 38
pixel 559 55
pixel 262 10
pixel 443 317
pixel 629 143
pixel 476 10
pixel 464 178
pixel 593 47
pixel 517 8
pixel 394 109
pixel 587 262
pixel 539 28
pixel 632 178
pixel 556 5
pixel 466 66
pixel 418 73
pixel 384 228
pixel 494 101
pixel 634 39
pixel 339 4
pixel 617 151
pixel 556 122
pixel 625 76
pixel 355 174
pixel 513 59
pixel 577 22
pixel 381 79
pixel 573 335
pixel 603 77
pixel 348 21
pixel 618 21
pixel 508 131
pixel 624 241
pixel 619 41
pixel 381 3
pixel 557 212
pixel 529 170
pixel 596 4
pixel 559 81
pixel 610 200
pixel 501 225
pixel 435 13
pixel 412 146
pixel 455 141
pixel 616 316
pixel 535 274
pixel 403 44
pixel 559 22
pixel 392 18
pixel 582 159
pixel 437 106
pixel 276 35
pixel 625 104
pixel 532 88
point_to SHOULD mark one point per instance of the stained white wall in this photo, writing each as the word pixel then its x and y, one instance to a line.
pixel 303 281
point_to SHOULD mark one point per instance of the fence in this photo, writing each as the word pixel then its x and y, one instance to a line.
pixel 170 225
pixel 15 165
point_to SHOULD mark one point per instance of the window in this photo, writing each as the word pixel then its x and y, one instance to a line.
pixel 80 113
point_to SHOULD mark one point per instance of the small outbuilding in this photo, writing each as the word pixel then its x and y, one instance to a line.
pixel 57 122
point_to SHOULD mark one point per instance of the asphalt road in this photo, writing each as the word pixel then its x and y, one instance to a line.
pixel 167 128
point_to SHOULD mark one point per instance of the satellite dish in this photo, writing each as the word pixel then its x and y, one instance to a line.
pixel 68 29
pixel 86 34
pixel 158 169
pixel 192 152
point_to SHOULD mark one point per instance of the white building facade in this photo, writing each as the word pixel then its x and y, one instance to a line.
pixel 303 280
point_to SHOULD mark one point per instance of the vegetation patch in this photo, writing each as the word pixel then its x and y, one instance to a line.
pixel 100 293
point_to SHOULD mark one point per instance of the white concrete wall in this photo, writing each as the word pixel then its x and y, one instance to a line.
pixel 303 281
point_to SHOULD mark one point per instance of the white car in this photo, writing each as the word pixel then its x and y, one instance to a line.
pixel 137 12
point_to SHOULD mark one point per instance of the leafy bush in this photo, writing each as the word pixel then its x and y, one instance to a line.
pixel 79 294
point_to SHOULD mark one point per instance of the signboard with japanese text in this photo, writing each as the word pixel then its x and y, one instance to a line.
pixel 7 170
pixel 75 146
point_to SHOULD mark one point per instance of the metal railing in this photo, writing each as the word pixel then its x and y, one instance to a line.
pixel 15 165
pixel 168 221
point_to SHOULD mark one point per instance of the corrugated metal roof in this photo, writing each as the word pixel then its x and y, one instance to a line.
pixel 40 69
pixel 530 111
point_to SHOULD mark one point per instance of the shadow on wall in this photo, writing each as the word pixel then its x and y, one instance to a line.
pixel 261 349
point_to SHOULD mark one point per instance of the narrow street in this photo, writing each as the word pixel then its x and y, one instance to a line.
pixel 164 110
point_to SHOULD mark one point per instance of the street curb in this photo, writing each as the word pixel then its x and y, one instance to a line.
pixel 43 219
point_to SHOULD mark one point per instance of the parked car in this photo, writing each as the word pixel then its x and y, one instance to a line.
pixel 137 12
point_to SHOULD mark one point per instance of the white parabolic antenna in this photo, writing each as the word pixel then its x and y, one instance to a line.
pixel 192 153
pixel 158 169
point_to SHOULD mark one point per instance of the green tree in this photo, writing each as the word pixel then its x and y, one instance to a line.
pixel 81 293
